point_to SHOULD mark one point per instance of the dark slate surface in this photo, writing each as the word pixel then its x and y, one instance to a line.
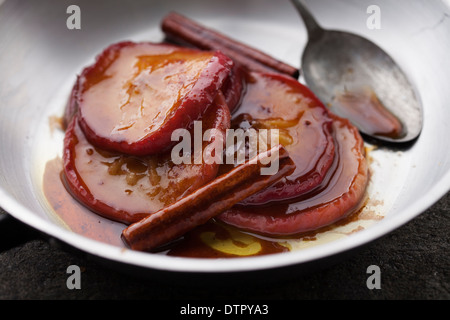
pixel 413 260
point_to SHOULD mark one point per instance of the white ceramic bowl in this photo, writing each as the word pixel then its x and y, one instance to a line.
pixel 40 58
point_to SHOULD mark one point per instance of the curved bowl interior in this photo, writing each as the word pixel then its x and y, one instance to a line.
pixel 40 58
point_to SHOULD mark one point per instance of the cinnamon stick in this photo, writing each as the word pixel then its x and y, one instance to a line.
pixel 212 199
pixel 182 30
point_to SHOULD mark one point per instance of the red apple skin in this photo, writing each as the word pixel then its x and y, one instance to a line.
pixel 155 180
pixel 275 101
pixel 234 87
pixel 341 194
pixel 150 133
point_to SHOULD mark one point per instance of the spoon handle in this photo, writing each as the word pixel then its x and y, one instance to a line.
pixel 314 29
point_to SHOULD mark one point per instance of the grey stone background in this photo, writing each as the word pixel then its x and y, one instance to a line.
pixel 413 260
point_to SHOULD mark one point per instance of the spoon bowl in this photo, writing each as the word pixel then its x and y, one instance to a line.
pixel 335 62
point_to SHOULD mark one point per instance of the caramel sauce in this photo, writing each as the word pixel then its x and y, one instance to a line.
pixel 339 195
pixel 55 123
pixel 206 241
pixel 128 188
pixel 74 215
pixel 216 240
pixel 275 102
pixel 327 151
pixel 137 185
pixel 139 91
pixel 339 178
pixel 212 240
pixel 367 112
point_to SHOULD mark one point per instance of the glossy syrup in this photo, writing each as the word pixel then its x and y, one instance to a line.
pixel 367 112
pixel 215 239
pixel 212 240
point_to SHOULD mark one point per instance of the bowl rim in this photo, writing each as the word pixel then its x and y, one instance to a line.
pixel 244 264
pixel 160 262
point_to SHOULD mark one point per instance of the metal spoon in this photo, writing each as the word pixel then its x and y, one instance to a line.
pixel 334 62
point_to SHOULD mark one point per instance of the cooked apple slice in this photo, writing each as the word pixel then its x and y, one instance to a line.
pixel 135 94
pixel 273 101
pixel 340 194
pixel 234 87
pixel 127 188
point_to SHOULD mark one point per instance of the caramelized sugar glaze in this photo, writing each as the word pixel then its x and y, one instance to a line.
pixel 327 185
pixel 274 101
pixel 127 188
pixel 331 170
pixel 149 90
pixel 367 112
